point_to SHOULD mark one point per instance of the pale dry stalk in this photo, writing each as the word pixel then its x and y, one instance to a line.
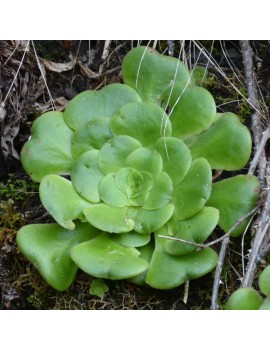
pixel 261 226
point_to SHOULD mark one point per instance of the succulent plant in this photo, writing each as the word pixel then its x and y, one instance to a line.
pixel 249 298
pixel 123 165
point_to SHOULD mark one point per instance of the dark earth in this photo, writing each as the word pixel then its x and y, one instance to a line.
pixel 24 98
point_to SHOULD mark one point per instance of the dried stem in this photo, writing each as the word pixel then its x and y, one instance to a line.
pixel 260 150
pixel 261 239
pixel 254 102
pixel 261 232
pixel 185 298
pixel 105 54
pixel 222 253
pixel 223 237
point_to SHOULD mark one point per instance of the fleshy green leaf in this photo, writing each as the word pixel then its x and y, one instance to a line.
pixel 195 229
pixel 167 271
pixel 234 198
pixel 91 104
pixel 149 221
pixel 98 287
pixel 61 200
pixel 266 304
pixel 146 253
pixel 113 154
pixel 110 193
pixel 91 136
pixel 131 239
pixel 150 73
pixel 139 183
pixel 138 200
pixel 108 218
pixel 193 192
pixel 244 299
pixel 226 144
pixel 176 158
pixel 102 257
pixel 193 110
pixel 86 175
pixel 121 178
pixel 145 160
pixel 145 122
pixel 264 281
pixel 49 149
pixel 47 246
pixel 135 180
pixel 161 194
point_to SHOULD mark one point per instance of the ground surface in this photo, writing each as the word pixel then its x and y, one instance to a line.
pixel 36 83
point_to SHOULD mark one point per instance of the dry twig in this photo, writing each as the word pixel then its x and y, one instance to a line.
pixel 223 237
pixel 261 240
pixel 222 253
pixel 225 242
pixel 105 54
pixel 254 102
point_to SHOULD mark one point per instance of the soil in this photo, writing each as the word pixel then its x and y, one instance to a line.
pixel 21 286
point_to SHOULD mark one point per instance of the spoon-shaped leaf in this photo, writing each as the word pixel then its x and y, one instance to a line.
pixel 91 136
pixel 193 110
pixel 131 239
pixel 234 198
pixel 176 158
pixel 196 229
pixel 226 144
pixel 150 73
pixel 161 193
pixel 264 281
pixel 193 192
pixel 104 258
pixel 86 175
pixel 146 253
pixel 61 200
pixel 110 193
pixel 145 160
pixel 49 149
pixel 244 299
pixel 113 154
pixel 167 271
pixel 110 219
pixel 91 104
pixel 138 200
pixel 145 122
pixel 149 221
pixel 266 304
pixel 47 246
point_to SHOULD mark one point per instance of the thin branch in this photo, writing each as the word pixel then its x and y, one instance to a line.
pixel 260 150
pixel 202 246
pixel 154 44
pixel 42 72
pixel 222 253
pixel 105 54
pixel 18 70
pixel 257 128
pixel 225 242
pixel 106 49
pixel 243 245
pixel 186 291
pixel 261 232
pixel 223 237
pixel 261 239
